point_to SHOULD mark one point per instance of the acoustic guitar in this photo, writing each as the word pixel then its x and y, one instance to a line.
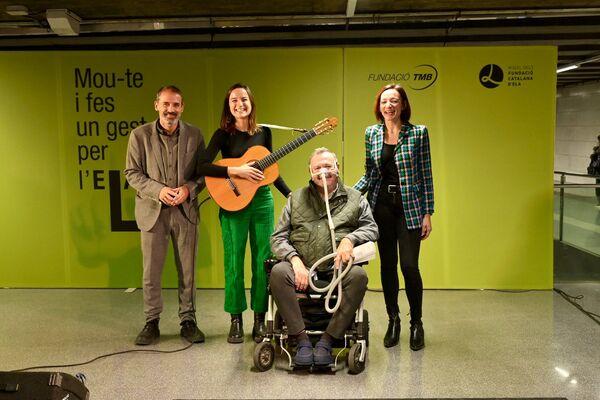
pixel 233 194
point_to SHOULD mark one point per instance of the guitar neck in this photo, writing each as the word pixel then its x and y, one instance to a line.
pixel 288 148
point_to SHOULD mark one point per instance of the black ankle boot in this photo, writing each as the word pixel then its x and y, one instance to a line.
pixel 236 331
pixel 417 336
pixel 259 329
pixel 392 335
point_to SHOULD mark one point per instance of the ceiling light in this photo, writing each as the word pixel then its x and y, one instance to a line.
pixel 350 8
pixel 63 22
pixel 17 11
pixel 567 68
pixel 578 64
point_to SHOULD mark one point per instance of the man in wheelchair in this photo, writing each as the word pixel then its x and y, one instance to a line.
pixel 303 236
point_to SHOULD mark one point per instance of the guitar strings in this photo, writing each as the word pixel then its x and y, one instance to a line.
pixel 273 157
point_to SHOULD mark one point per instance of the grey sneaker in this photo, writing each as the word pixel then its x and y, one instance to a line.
pixel 304 354
pixel 322 353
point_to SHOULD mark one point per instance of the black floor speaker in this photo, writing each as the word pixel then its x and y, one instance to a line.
pixel 41 386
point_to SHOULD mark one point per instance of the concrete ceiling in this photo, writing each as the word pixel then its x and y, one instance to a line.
pixel 572 25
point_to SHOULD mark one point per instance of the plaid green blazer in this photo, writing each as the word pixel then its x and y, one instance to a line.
pixel 413 160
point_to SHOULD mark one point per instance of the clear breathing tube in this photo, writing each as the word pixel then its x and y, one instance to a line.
pixel 338 273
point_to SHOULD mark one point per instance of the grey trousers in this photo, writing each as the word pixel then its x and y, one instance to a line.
pixel 171 224
pixel 354 286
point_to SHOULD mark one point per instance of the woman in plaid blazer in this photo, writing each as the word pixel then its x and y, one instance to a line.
pixel 400 191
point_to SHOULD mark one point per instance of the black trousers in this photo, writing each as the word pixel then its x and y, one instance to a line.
pixel 395 238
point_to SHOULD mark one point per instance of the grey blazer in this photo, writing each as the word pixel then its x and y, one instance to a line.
pixel 145 171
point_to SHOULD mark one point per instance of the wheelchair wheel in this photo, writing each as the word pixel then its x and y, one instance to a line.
pixel 355 366
pixel 264 356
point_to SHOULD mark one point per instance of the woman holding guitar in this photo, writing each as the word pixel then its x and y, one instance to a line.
pixel 239 132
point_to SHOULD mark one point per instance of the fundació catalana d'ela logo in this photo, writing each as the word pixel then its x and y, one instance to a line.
pixel 512 76
pixel 491 76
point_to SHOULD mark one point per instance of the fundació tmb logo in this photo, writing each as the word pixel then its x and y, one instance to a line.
pixel 420 77
pixel 491 76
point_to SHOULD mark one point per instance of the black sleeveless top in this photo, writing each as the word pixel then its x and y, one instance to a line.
pixel 389 171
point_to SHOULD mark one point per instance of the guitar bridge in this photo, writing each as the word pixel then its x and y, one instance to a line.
pixel 233 187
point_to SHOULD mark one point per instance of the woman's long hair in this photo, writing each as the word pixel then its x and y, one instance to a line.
pixel 227 118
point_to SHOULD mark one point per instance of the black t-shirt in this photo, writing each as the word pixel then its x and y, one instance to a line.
pixel 234 145
pixel 389 171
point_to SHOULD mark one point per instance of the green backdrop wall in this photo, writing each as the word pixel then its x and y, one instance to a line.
pixel 67 116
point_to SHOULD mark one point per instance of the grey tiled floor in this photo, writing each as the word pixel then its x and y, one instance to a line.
pixel 479 344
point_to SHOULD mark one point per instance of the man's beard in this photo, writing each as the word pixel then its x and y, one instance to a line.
pixel 170 121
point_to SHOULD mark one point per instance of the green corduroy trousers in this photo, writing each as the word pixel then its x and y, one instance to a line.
pixel 255 221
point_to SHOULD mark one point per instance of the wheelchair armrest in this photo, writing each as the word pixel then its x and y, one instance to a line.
pixel 364 253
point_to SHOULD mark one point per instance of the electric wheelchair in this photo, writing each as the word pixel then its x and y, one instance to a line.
pixel 316 319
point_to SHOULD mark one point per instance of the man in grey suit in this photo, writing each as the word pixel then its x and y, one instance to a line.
pixel 162 162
